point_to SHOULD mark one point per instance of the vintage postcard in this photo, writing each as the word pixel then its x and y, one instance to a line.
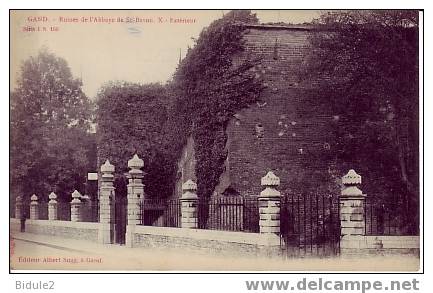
pixel 215 140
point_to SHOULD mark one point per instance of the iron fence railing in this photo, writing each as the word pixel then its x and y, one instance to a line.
pixel 229 213
pixel 43 210
pixel 26 208
pixel 305 220
pixel 388 218
pixel 160 212
pixel 64 211
pixel 220 213
pixel 90 211
pixel 310 224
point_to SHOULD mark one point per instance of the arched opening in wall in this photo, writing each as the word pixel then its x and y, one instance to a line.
pixel 179 175
pixel 260 130
pixel 230 191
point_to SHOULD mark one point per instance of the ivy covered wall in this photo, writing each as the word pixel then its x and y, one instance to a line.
pixel 210 88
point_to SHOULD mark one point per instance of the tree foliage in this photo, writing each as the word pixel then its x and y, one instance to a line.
pixel 209 86
pixel 131 119
pixel 51 146
pixel 365 64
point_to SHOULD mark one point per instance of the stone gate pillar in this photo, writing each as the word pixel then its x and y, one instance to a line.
pixel 76 206
pixel 269 202
pixel 19 207
pixel 34 208
pixel 135 197
pixel 189 205
pixel 52 207
pixel 352 220
pixel 106 204
pixel 269 205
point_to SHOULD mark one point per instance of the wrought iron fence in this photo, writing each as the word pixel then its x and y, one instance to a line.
pixel 221 213
pixel 229 213
pixel 90 211
pixel 26 208
pixel 64 211
pixel 43 210
pixel 388 218
pixel 310 225
pixel 160 212
pixel 120 218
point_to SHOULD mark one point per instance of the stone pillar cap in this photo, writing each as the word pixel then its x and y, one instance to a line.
pixel 189 186
pixel 19 198
pixel 189 195
pixel 270 179
pixel 351 178
pixel 34 197
pixel 135 162
pixel 270 192
pixel 52 195
pixel 107 167
pixel 76 194
pixel 352 191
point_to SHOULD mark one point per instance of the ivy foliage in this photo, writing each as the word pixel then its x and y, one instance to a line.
pixel 154 121
pixel 131 119
pixel 211 83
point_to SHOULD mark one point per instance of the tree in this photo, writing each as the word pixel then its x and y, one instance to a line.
pixel 131 119
pixel 51 146
pixel 365 64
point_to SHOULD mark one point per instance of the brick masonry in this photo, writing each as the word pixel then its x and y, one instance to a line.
pixel 294 139
pixel 294 134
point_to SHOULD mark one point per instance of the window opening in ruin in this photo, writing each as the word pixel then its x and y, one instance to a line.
pixel 260 130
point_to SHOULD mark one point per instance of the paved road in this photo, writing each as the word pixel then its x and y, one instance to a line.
pixel 31 251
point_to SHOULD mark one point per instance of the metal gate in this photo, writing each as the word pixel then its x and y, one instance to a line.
pixel 310 225
pixel 120 219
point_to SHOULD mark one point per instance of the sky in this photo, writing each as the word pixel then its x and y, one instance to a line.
pixel 98 51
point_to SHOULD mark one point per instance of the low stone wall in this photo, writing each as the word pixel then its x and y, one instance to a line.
pixel 206 241
pixel 66 229
pixel 14 225
pixel 361 245
pixel 218 242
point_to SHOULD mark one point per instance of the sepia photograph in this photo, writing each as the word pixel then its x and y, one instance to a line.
pixel 215 140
